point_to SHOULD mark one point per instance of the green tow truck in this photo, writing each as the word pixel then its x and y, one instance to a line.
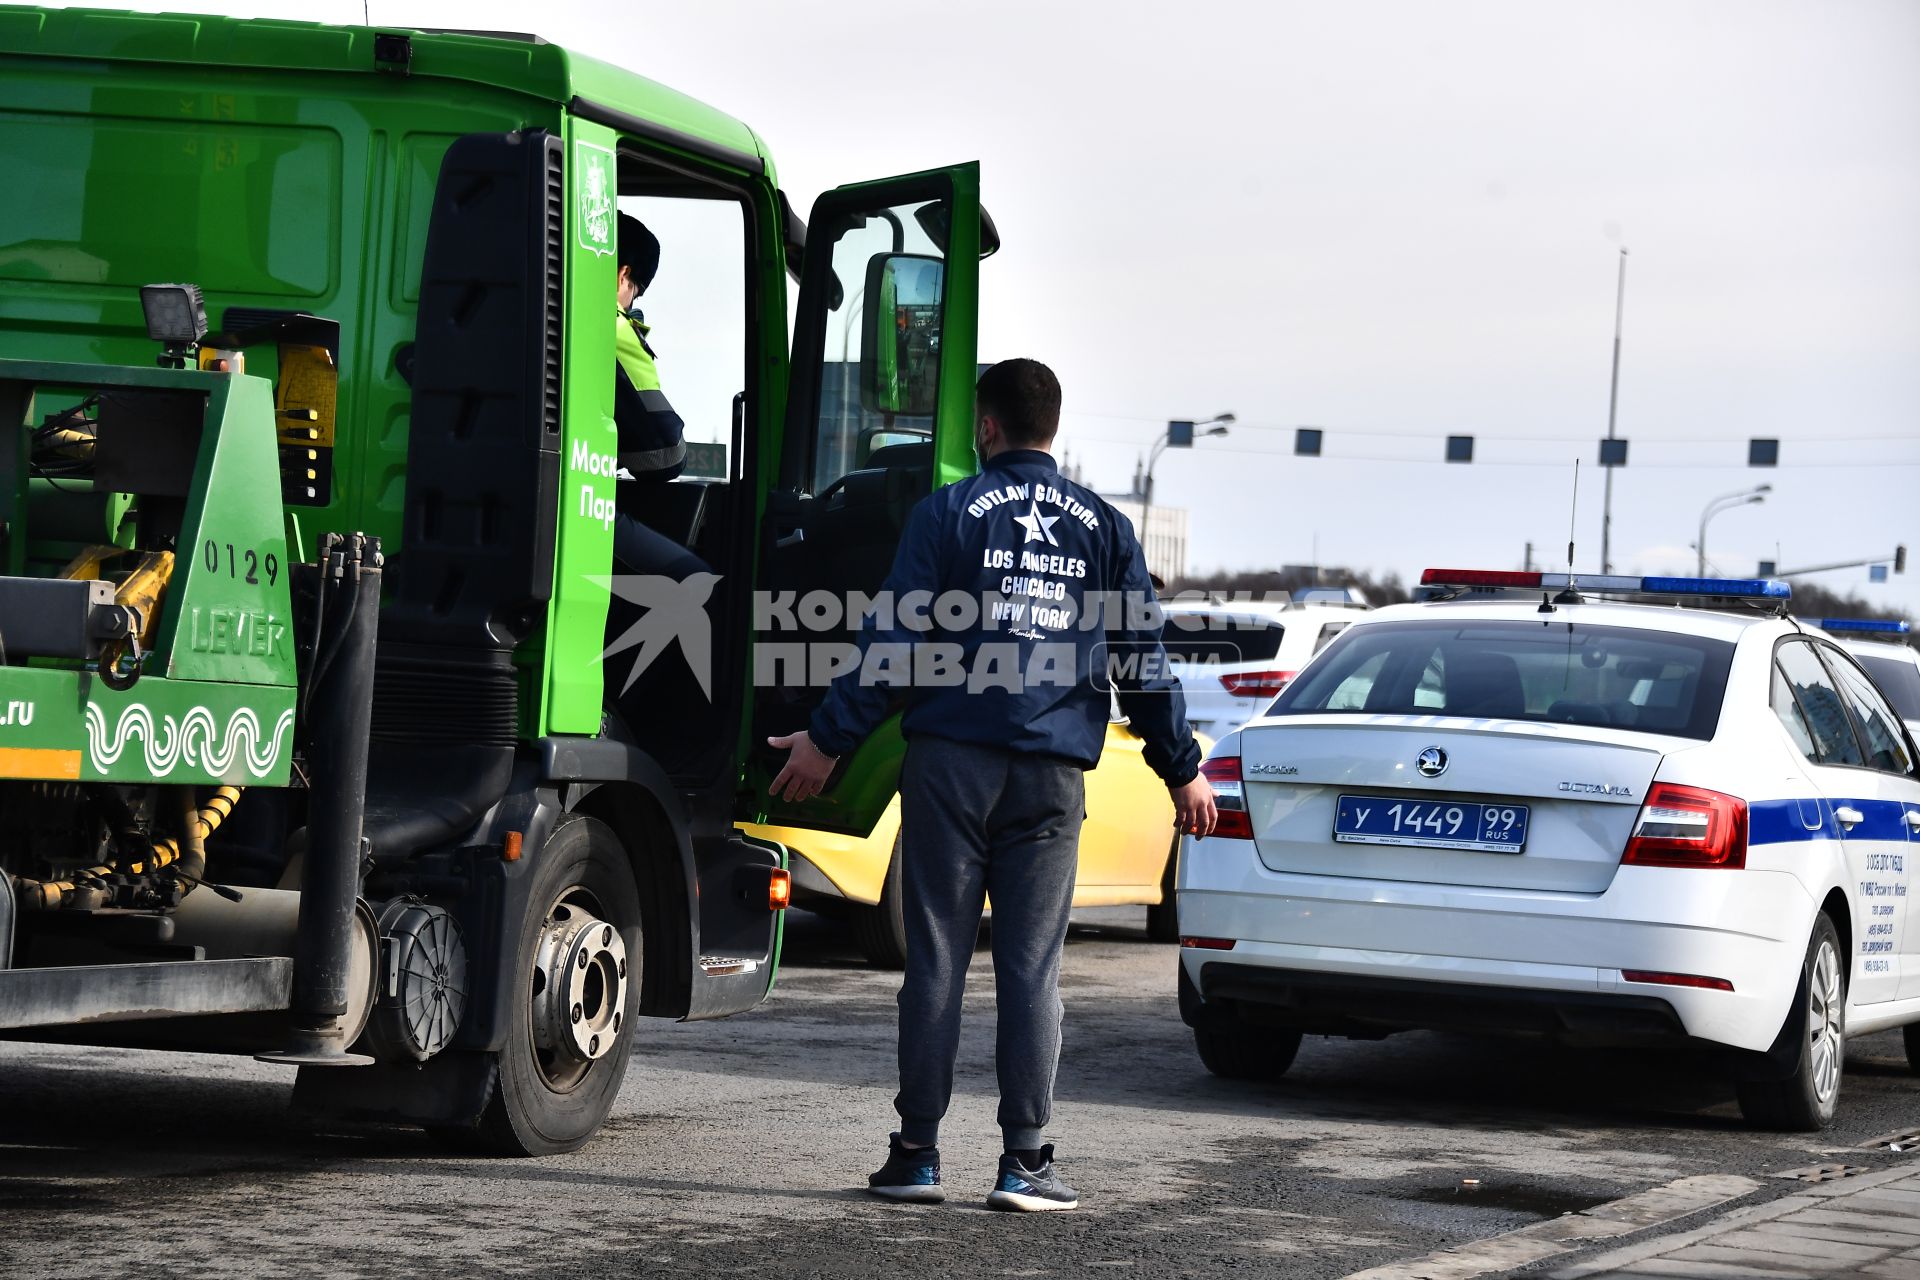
pixel 312 744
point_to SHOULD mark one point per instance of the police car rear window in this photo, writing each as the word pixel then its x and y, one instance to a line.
pixel 1559 673
pixel 1213 638
pixel 1898 679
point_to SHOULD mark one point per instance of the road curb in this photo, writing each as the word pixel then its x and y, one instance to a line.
pixel 1811 1198
pixel 1640 1211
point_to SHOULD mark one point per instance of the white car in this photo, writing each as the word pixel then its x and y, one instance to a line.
pixel 1895 667
pixel 1609 823
pixel 1233 658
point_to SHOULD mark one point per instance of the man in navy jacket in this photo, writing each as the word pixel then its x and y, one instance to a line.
pixel 1040 608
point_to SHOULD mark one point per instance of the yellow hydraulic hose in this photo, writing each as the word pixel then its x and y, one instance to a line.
pixel 198 822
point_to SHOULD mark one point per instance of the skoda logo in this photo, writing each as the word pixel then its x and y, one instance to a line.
pixel 1431 763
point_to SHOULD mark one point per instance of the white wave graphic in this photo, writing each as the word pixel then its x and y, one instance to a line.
pixel 196 740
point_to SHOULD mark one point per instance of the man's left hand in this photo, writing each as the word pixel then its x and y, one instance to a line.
pixel 806 772
pixel 1194 811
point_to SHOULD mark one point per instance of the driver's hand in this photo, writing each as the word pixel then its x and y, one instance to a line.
pixel 806 771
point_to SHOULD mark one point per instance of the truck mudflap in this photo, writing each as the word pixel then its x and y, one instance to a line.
pixel 739 938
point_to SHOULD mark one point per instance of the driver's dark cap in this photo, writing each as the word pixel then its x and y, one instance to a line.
pixel 639 251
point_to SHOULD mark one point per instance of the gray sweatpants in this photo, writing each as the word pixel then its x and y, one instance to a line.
pixel 976 821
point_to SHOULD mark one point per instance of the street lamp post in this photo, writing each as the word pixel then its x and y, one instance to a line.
pixel 1722 503
pixel 1214 426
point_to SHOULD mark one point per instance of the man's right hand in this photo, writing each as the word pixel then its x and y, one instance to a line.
pixel 806 771
pixel 1194 813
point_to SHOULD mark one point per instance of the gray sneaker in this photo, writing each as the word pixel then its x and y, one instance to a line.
pixel 1031 1190
pixel 911 1174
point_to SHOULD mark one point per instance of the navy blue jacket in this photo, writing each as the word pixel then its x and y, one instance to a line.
pixel 1051 613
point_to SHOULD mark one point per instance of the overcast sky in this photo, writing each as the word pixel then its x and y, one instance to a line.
pixel 1394 222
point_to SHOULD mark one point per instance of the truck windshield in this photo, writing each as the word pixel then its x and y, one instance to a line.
pixel 1564 673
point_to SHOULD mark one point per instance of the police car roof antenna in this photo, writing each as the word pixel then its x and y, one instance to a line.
pixel 1568 595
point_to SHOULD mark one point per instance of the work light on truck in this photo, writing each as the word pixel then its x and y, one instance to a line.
pixel 176 319
pixel 176 313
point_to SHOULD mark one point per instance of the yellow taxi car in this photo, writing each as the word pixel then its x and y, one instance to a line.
pixel 1127 850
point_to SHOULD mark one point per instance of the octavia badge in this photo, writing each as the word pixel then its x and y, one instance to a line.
pixel 1431 763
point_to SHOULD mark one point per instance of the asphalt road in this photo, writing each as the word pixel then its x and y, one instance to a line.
pixel 738 1146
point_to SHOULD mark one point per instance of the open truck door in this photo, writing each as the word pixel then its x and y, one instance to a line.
pixel 879 414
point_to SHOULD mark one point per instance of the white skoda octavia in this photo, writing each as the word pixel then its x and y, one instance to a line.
pixel 1540 813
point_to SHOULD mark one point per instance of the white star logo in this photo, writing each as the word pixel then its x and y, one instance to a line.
pixel 1037 526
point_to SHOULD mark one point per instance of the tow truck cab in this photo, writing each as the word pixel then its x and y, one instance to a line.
pixel 410 238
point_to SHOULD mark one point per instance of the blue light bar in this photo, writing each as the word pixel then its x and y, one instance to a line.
pixel 1752 588
pixel 1886 625
pixel 1758 588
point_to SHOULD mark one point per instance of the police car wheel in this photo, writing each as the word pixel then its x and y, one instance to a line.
pixel 1163 917
pixel 574 992
pixel 880 931
pixel 1234 1051
pixel 1813 1041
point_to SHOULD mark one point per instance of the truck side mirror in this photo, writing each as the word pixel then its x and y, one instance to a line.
pixel 900 334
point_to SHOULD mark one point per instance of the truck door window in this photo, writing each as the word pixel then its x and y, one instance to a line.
pixel 880 367
pixel 696 315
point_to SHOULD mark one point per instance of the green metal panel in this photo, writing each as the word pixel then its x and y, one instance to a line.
pixel 228 613
pixel 954 455
pixel 68 725
pixel 583 551
pixel 528 67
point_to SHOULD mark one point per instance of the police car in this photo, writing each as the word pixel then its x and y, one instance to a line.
pixel 1895 666
pixel 1527 808
pixel 1232 658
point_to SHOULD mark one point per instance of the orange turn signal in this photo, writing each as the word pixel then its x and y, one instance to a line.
pixel 779 889
pixel 510 847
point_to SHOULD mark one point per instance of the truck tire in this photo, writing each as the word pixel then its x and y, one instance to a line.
pixel 1163 917
pixel 880 931
pixel 565 1057
pixel 1234 1051
pixel 1814 1040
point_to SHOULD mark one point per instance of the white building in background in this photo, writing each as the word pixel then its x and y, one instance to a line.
pixel 1165 538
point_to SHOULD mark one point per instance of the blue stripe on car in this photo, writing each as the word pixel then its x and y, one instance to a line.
pixel 1785 821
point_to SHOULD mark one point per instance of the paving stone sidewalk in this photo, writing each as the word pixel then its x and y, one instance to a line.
pixel 1865 1226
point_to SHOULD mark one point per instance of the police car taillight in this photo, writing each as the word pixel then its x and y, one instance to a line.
pixel 1688 827
pixel 1229 798
pixel 1255 684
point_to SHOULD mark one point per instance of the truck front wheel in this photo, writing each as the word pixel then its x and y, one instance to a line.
pixel 577 984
